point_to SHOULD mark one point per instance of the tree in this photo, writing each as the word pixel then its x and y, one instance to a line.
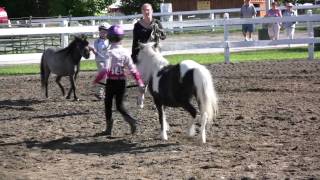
pixel 298 1
pixel 45 8
pixel 130 7
pixel 77 7
pixel 24 8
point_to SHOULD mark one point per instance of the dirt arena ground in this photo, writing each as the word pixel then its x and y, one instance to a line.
pixel 268 127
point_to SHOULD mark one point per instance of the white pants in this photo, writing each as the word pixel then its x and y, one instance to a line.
pixel 290 32
pixel 273 31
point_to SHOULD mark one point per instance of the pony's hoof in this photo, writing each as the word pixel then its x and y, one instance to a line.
pixel 192 131
pixel 76 99
pixel 164 136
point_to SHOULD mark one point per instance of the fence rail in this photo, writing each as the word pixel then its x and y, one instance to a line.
pixel 224 23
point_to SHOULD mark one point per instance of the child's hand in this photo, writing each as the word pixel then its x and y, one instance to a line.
pixel 92 49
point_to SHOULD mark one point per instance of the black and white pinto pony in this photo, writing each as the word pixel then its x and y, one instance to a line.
pixel 64 62
pixel 176 85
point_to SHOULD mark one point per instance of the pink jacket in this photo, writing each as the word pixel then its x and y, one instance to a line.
pixel 119 59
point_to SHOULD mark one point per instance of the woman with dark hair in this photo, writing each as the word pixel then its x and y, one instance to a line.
pixel 147 29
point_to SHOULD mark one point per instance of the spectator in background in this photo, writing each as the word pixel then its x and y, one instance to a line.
pixel 289 26
pixel 274 28
pixel 247 11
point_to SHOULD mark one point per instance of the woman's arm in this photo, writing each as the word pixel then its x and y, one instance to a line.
pixel 162 32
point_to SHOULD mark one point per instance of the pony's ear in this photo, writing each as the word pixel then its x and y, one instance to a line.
pixel 77 38
pixel 83 37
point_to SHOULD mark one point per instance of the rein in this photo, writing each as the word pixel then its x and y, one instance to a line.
pixel 128 86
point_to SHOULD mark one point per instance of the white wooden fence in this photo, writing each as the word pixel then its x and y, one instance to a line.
pixel 226 22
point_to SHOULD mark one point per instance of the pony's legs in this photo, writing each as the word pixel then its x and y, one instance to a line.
pixel 76 73
pixel 192 129
pixel 166 126
pixel 46 77
pixel 72 88
pixel 58 82
pixel 193 112
pixel 163 122
pixel 140 99
pixel 204 119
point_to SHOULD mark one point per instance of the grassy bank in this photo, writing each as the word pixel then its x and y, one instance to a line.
pixel 258 55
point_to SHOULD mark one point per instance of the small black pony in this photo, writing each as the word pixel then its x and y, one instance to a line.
pixel 175 85
pixel 64 62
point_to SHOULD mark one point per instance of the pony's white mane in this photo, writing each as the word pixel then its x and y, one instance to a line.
pixel 150 61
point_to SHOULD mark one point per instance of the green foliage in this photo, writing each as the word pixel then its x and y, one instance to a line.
pixel 130 7
pixel 283 2
pixel 25 8
pixel 45 8
pixel 77 7
pixel 304 1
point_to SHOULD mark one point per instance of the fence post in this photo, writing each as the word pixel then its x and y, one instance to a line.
pixel 30 21
pixel 9 23
pixel 64 37
pixel 180 20
pixel 310 34
pixel 226 39
pixel 212 18
pixel 93 22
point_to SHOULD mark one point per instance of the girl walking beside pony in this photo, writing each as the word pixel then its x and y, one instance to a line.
pixel 119 59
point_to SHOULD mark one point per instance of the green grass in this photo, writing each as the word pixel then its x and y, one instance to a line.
pixel 19 69
pixel 244 56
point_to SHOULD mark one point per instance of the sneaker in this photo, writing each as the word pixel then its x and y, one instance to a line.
pixel 103 133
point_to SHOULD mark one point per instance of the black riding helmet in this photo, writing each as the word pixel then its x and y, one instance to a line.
pixel 115 33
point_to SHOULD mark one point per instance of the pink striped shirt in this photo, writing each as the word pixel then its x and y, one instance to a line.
pixel 119 59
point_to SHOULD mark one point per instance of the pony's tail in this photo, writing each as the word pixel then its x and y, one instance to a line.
pixel 206 93
pixel 42 71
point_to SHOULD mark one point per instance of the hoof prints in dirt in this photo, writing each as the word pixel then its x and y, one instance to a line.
pixel 267 128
